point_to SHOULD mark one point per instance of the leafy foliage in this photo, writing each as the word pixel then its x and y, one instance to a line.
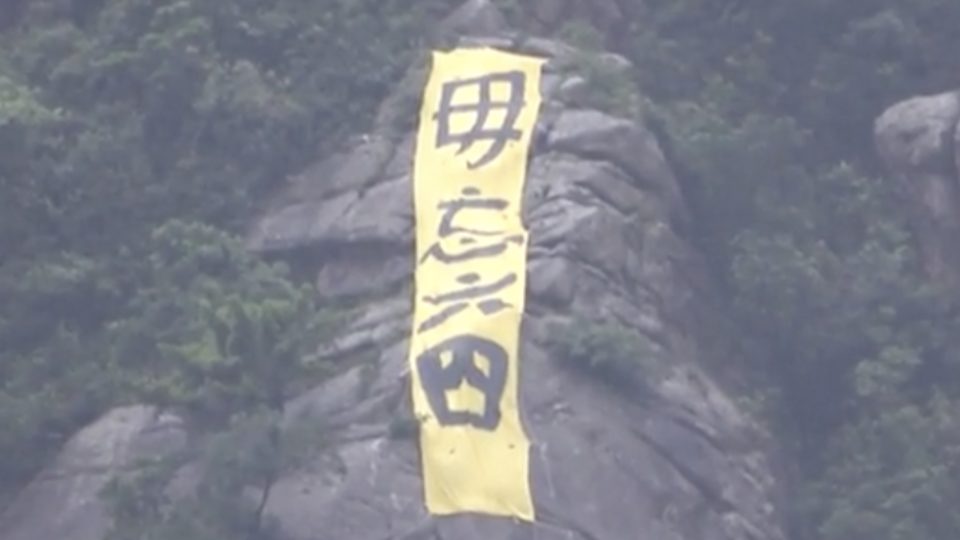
pixel 215 330
pixel 237 469
pixel 137 136
pixel 607 85
pixel 769 111
pixel 615 354
pixel 117 117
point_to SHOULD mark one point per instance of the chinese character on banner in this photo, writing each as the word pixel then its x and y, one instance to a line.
pixel 498 135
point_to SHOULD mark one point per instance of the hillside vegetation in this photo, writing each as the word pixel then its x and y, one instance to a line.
pixel 137 137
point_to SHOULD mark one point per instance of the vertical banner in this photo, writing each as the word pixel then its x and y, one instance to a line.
pixel 478 114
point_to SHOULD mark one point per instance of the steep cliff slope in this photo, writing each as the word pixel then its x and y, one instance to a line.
pixel 646 445
pixel 668 456
pixel 919 141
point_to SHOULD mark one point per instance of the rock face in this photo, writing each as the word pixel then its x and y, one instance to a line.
pixel 667 455
pixel 919 141
pixel 63 501
pixel 670 458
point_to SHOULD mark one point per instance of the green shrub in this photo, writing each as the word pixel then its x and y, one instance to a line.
pixel 613 353
pixel 237 469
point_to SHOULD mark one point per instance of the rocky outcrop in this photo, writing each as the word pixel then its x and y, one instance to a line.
pixel 671 458
pixel 665 455
pixel 64 500
pixel 919 141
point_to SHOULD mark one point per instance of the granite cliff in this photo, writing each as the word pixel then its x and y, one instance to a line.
pixel 665 453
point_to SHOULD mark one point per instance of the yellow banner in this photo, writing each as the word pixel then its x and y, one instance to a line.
pixel 478 113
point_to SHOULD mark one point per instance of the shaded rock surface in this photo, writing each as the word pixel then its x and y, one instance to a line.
pixel 667 455
pixel 63 501
pixel 919 141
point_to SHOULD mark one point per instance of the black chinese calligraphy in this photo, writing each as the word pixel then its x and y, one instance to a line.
pixel 471 201
pixel 498 135
pixel 455 301
pixel 437 379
